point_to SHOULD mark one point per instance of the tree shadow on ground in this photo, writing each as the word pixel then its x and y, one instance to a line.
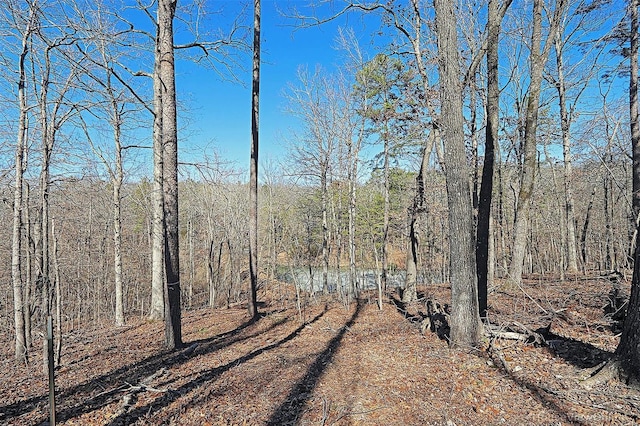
pixel 84 398
pixel 545 397
pixel 579 354
pixel 575 352
pixel 293 406
pixel 202 378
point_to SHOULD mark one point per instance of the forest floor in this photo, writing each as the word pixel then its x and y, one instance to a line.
pixel 341 365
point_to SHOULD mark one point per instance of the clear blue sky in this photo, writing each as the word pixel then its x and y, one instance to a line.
pixel 219 112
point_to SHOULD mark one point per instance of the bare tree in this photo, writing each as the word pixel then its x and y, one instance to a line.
pixel 626 361
pixel 53 82
pixel 483 234
pixel 116 108
pixel 316 104
pixel 16 264
pixel 571 80
pixel 634 115
pixel 538 59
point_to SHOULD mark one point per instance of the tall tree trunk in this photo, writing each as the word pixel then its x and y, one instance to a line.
pixel 253 182
pixel 172 312
pixel 527 176
pixel 466 328
pixel 626 362
pixel 565 124
pixel 118 179
pixel 325 230
pixel 608 224
pixel 385 221
pixel 354 149
pixel 58 294
pixel 156 311
pixel 43 224
pixel 633 108
pixel 483 235
pixel 491 252
pixel 628 350
pixel 28 281
pixel 585 228
pixel 336 213
pixel 16 265
pixel 419 207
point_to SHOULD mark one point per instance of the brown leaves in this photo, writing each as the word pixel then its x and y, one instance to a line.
pixel 342 367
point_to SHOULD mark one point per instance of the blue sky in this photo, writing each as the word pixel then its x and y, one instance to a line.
pixel 219 111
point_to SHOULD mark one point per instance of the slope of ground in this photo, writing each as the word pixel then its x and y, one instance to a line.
pixel 340 365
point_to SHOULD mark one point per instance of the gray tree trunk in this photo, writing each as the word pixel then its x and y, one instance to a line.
pixel 325 228
pixel 385 221
pixel 28 281
pixel 466 328
pixel 156 311
pixel 352 177
pixel 565 124
pixel 527 175
pixel 43 224
pixel 419 207
pixel 16 265
pixel 117 225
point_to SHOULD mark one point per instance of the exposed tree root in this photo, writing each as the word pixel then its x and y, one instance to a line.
pixel 605 373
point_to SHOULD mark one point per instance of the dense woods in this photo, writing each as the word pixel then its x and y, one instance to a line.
pixel 475 144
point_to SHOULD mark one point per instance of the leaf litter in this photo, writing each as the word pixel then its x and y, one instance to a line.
pixel 340 365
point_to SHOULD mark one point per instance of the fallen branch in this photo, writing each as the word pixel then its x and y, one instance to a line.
pixel 508 333
pixel 129 399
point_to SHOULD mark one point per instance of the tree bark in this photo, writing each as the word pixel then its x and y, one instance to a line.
pixel 466 328
pixel 418 208
pixel 565 125
pixel 527 177
pixel 28 276
pixel 118 179
pixel 626 361
pixel 483 234
pixel 633 108
pixel 16 265
pixel 58 294
pixel 253 179
pixel 156 311
pixel 43 224
pixel 325 228
pixel 172 312
pixel 385 220
pixel 352 176
pixel 628 350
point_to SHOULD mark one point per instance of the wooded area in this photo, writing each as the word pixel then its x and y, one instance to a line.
pixel 481 150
